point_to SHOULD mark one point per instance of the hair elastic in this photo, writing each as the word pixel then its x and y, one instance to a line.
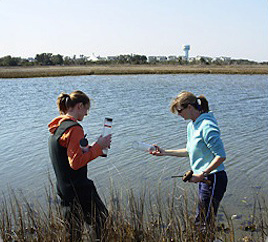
pixel 66 100
pixel 198 102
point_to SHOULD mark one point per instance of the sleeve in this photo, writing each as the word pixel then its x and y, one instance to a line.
pixel 211 136
pixel 76 157
pixel 188 136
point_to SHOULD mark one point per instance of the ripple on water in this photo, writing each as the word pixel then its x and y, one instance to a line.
pixel 139 106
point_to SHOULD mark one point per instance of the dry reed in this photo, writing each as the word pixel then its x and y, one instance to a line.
pixel 165 216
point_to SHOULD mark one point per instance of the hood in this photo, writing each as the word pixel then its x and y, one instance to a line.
pixel 55 123
pixel 207 116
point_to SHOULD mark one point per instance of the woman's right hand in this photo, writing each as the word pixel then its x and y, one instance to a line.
pixel 158 151
pixel 105 141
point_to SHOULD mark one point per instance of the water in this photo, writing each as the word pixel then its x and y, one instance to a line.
pixel 139 106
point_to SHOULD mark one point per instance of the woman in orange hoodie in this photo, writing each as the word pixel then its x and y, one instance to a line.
pixel 78 193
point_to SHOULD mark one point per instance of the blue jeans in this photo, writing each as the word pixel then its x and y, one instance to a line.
pixel 210 197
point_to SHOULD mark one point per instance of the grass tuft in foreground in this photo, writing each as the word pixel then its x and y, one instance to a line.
pixel 160 217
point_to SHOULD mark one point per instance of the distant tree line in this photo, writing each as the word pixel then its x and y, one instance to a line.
pixel 44 59
pixel 49 59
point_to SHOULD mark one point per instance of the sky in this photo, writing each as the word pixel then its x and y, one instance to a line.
pixel 231 28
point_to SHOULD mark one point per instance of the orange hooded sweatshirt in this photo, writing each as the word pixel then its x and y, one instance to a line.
pixel 71 140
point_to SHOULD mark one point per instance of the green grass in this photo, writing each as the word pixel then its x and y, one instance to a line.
pixel 165 216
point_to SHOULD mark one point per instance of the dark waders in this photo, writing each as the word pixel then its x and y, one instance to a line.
pixel 79 196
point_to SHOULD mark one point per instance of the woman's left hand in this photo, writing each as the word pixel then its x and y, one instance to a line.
pixel 197 178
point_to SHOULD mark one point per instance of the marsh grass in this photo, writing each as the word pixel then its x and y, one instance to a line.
pixel 52 71
pixel 164 216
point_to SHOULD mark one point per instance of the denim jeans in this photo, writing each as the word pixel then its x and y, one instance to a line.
pixel 210 197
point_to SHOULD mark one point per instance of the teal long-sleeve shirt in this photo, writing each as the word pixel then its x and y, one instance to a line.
pixel 204 143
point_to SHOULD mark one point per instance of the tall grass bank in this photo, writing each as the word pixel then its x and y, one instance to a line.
pixel 164 216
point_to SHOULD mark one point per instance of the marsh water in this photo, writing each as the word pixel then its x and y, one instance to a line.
pixel 139 106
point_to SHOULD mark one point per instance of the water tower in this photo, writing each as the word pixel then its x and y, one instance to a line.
pixel 186 50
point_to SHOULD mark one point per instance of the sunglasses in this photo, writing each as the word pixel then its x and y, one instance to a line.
pixel 180 110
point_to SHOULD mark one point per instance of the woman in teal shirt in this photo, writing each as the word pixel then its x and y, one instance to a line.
pixel 205 151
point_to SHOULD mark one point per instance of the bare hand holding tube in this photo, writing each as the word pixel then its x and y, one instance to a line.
pixel 105 142
pixel 162 152
pixel 158 151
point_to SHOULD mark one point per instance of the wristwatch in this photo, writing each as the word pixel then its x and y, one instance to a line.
pixel 205 174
